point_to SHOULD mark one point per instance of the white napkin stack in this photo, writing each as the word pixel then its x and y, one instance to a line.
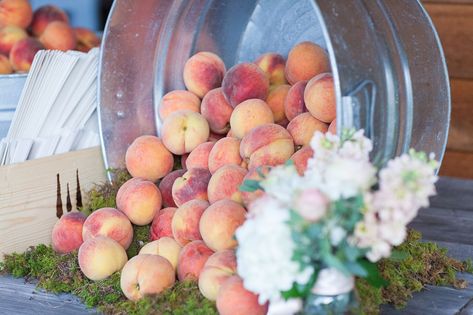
pixel 57 108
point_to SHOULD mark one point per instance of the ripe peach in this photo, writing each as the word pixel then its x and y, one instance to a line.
pixel 184 161
pixel 216 109
pixel 230 134
pixel 162 224
pixel 184 130
pixel 5 65
pixel 203 72
pixel 165 247
pixel 148 158
pixel 294 104
pixel 243 82
pixel 86 39
pixel 15 12
pixel 185 222
pixel 225 151
pixel 234 299
pixel 303 127
pixel 257 173
pixel 199 157
pixel 276 99
pixel 332 128
pixel 306 60
pixel 67 232
pixel 9 35
pixel 319 97
pixel 45 15
pixel 273 66
pixel 248 115
pixel 178 100
pixel 214 137
pixel 109 222
pixel 192 259
pixel 225 183
pixel 140 200
pixel 268 144
pixel 219 267
pixel 59 36
pixel 23 52
pixel 301 157
pixel 165 186
pixel 100 257
pixel 192 185
pixel 146 275
pixel 219 222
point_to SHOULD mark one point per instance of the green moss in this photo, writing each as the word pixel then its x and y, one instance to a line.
pixel 141 236
pixel 425 263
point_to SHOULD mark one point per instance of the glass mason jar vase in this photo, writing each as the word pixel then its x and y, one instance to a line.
pixel 388 66
pixel 333 294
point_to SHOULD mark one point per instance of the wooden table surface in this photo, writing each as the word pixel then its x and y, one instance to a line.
pixel 449 222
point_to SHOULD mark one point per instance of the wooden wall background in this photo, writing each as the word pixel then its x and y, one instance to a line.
pixel 454 22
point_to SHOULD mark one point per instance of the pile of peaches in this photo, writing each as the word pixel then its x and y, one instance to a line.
pixel 24 32
pixel 228 126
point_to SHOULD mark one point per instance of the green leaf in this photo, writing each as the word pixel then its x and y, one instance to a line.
pixel 397 255
pixel 250 185
pixel 374 277
pixel 300 290
pixel 357 269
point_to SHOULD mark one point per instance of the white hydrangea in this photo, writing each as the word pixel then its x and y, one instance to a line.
pixel 283 182
pixel 264 254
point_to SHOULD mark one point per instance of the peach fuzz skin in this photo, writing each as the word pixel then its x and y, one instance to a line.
pixel 146 275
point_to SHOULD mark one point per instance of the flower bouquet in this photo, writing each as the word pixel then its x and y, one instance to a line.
pixel 308 236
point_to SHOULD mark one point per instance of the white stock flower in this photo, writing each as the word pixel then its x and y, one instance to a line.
pixel 264 254
pixel 282 183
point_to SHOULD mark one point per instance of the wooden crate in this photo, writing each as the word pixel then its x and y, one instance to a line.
pixel 33 193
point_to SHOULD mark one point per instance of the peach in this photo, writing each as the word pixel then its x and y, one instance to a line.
pixel 140 200
pixel 100 257
pixel 248 115
pixel 109 222
pixel 268 144
pixel 15 12
pixel 203 72
pixel 301 157
pixel 273 66
pixel 148 158
pixel 59 36
pixel 185 222
pixel 184 130
pixel 216 109
pixel 192 185
pixel 245 81
pixel 146 275
pixel 294 104
pixel 219 222
pixel 214 137
pixel 165 247
pixel 303 127
pixel 226 151
pixel 192 259
pixel 178 100
pixel 234 299
pixel 5 65
pixel 225 183
pixel 23 52
pixel 162 224
pixel 258 174
pixel 276 98
pixel 319 97
pixel 67 232
pixel 332 128
pixel 165 186
pixel 9 35
pixel 218 268
pixel 86 39
pixel 45 15
pixel 306 60
pixel 199 157
pixel 184 161
pixel 230 134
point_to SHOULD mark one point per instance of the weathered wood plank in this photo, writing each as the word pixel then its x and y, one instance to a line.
pixel 20 298
pixel 453 193
pixel 461 126
pixel 454 24
pixel 457 164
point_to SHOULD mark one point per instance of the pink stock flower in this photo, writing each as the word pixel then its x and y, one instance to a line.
pixel 311 204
